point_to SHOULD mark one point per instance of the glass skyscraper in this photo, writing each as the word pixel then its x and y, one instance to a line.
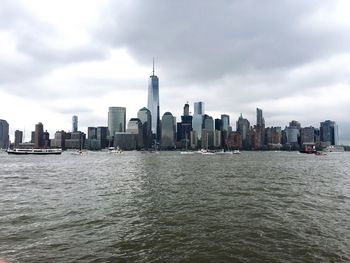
pixel 153 103
pixel 4 134
pixel 116 120
pixel 74 123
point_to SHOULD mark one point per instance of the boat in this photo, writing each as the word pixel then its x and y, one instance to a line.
pixel 236 152
pixel 34 151
pixel 309 149
pixel 334 148
pixel 222 152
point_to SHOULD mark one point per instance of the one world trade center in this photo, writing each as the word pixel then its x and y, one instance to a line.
pixel 153 103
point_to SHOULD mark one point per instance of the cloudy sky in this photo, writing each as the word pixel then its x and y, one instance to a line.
pixel 289 57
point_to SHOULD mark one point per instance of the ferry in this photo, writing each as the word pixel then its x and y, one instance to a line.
pixel 34 151
pixel 334 148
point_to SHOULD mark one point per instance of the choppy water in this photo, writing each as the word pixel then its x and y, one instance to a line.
pixel 167 207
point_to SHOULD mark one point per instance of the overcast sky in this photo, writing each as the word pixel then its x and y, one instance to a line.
pixel 60 58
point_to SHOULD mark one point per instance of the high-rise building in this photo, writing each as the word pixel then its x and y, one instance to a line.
pixel 184 127
pixel 59 140
pixel 39 135
pixel 329 132
pixel 225 122
pixel 260 128
pixel 74 123
pixel 4 134
pixel 307 135
pixel 144 115
pixel 18 137
pixel 197 120
pixel 168 131
pixel 92 133
pixel 153 103
pixel 218 124
pixel 260 121
pixel 186 109
pixel 243 126
pixel 135 127
pixel 199 108
pixel 116 120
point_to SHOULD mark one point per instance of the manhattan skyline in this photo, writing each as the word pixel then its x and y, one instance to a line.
pixel 291 59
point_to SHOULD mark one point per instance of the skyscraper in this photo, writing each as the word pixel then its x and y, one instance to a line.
pixel 144 116
pixel 116 120
pixel 199 108
pixel 153 103
pixel 197 120
pixel 74 123
pixel 4 134
pixel 260 121
pixel 39 135
pixel 243 126
pixel 18 137
pixel 329 132
pixel 168 131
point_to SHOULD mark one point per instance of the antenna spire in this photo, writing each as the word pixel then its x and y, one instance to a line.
pixel 153 66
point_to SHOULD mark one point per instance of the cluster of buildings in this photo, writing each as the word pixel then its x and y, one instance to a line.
pixel 194 131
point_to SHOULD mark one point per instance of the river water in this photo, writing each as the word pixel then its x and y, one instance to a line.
pixel 167 207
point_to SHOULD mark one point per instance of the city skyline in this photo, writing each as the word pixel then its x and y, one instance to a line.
pixel 290 59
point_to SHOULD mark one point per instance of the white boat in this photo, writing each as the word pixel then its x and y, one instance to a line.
pixel 115 151
pixel 34 151
pixel 186 152
pixel 222 152
pixel 334 148
pixel 236 152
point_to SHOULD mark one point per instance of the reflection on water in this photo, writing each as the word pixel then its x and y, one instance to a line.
pixel 143 207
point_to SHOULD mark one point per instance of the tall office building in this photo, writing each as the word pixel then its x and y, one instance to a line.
pixel 199 108
pixel 18 137
pixel 153 103
pixel 260 121
pixel 329 132
pixel 260 127
pixel 168 131
pixel 39 135
pixel 135 127
pixel 186 109
pixel 144 115
pixel 225 122
pixel 243 127
pixel 184 127
pixel 197 120
pixel 116 120
pixel 4 134
pixel 74 123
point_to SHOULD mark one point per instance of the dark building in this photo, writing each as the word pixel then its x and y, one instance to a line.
pixel 329 132
pixel 75 140
pixel 4 134
pixel 46 139
pixel 18 137
pixel 218 124
pixel 92 133
pixel 184 127
pixel 144 115
pixel 39 136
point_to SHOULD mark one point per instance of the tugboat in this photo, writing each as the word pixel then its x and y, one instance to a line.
pixel 309 149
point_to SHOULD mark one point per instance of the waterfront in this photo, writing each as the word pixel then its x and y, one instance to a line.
pixel 167 207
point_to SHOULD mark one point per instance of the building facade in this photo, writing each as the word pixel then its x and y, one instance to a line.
pixel 168 131
pixel 116 120
pixel 4 134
